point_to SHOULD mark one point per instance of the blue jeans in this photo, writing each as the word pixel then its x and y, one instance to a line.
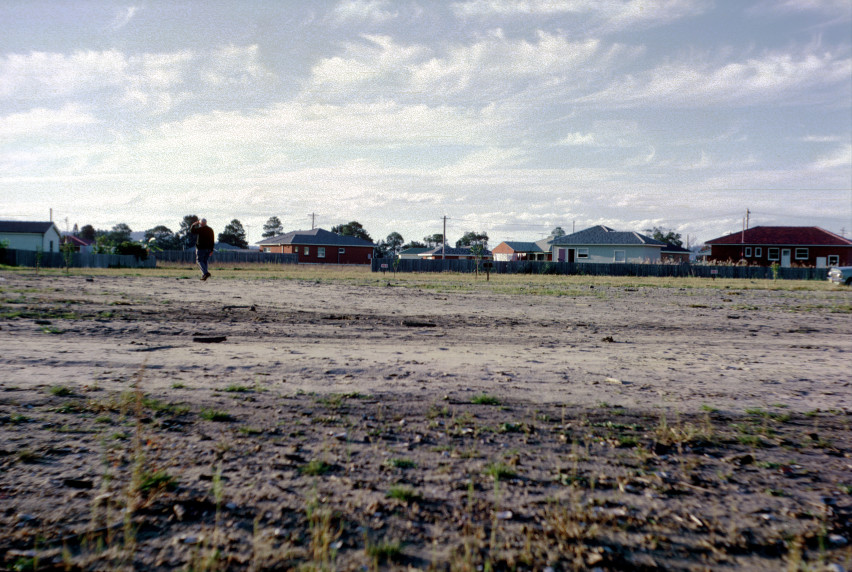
pixel 201 257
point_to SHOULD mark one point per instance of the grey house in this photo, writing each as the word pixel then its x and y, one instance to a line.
pixel 601 244
pixel 26 235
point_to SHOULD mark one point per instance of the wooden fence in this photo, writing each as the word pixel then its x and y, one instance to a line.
pixel 590 269
pixel 32 259
pixel 229 257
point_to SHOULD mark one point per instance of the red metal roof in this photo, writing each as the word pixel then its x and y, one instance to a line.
pixel 784 235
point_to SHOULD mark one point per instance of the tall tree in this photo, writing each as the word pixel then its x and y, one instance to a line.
pixel 413 244
pixel 87 232
pixel 393 243
pixel 353 228
pixel 163 238
pixel 558 231
pixel 185 237
pixel 119 233
pixel 434 240
pixel 471 238
pixel 234 234
pixel 272 227
pixel 668 236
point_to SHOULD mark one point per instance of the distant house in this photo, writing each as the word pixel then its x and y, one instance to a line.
pixel 319 246
pixel 674 253
pixel 784 245
pixel 412 253
pixel 452 253
pixel 602 244
pixel 24 235
pixel 77 244
pixel 512 250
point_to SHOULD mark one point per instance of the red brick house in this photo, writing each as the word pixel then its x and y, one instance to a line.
pixel 319 246
pixel 786 245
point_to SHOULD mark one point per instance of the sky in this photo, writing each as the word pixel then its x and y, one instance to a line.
pixel 509 117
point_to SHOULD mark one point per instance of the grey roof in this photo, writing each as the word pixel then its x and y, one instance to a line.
pixel 519 246
pixel 316 236
pixel 603 235
pixel 25 227
pixel 415 250
pixel 452 251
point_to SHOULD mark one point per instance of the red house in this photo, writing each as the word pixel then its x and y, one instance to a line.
pixel 785 245
pixel 319 246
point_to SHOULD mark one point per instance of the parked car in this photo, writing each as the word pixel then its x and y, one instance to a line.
pixel 840 275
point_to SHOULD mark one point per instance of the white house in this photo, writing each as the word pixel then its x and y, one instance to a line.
pixel 602 244
pixel 27 235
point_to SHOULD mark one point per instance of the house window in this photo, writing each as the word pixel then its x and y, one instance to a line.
pixel 307 250
pixel 833 259
pixel 773 254
pixel 618 256
pixel 267 249
pixel 320 252
pixel 582 253
pixel 748 252
pixel 341 251
pixel 758 251
pixel 51 246
pixel 801 254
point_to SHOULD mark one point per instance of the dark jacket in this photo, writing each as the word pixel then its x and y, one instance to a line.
pixel 205 237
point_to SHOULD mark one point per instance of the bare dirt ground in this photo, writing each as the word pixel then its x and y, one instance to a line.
pixel 158 422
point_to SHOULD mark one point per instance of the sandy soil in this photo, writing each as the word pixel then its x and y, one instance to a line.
pixel 159 423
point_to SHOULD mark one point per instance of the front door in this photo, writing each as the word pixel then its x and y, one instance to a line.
pixel 785 258
pixel 560 255
pixel 571 254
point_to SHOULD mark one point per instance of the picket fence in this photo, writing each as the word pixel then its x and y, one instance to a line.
pixel 590 269
pixel 33 259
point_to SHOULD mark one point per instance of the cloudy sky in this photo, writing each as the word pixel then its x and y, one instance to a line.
pixel 506 116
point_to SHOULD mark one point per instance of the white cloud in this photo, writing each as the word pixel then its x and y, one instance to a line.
pixel 579 139
pixel 123 17
pixel 839 158
pixel 774 77
pixel 41 120
pixel 362 11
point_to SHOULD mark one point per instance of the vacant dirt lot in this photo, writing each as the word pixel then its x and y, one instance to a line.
pixel 278 421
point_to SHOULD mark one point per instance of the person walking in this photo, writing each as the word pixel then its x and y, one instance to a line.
pixel 205 240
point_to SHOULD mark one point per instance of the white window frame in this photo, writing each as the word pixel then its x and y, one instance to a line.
pixel 582 253
pixel 320 252
pixel 773 253
pixel 619 254
pixel 801 253
pixel 758 251
pixel 748 252
pixel 306 251
pixel 833 259
pixel 341 250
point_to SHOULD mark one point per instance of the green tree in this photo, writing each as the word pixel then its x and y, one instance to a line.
pixel 130 247
pixel 272 227
pixel 665 235
pixel 353 228
pixel 186 238
pixel 234 234
pixel 393 243
pixel 119 233
pixel 88 232
pixel 558 231
pixel 163 238
pixel 413 244
pixel 473 239
pixel 434 240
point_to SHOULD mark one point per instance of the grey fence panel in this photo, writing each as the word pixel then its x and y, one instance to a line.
pixel 32 259
pixel 613 269
pixel 229 257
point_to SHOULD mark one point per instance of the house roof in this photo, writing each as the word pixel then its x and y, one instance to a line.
pixel 415 250
pixel 783 235
pixel 452 251
pixel 603 235
pixel 76 240
pixel 316 236
pixel 25 227
pixel 669 247
pixel 524 246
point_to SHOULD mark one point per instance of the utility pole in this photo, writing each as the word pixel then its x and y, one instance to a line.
pixel 748 212
pixel 444 238
pixel 313 220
